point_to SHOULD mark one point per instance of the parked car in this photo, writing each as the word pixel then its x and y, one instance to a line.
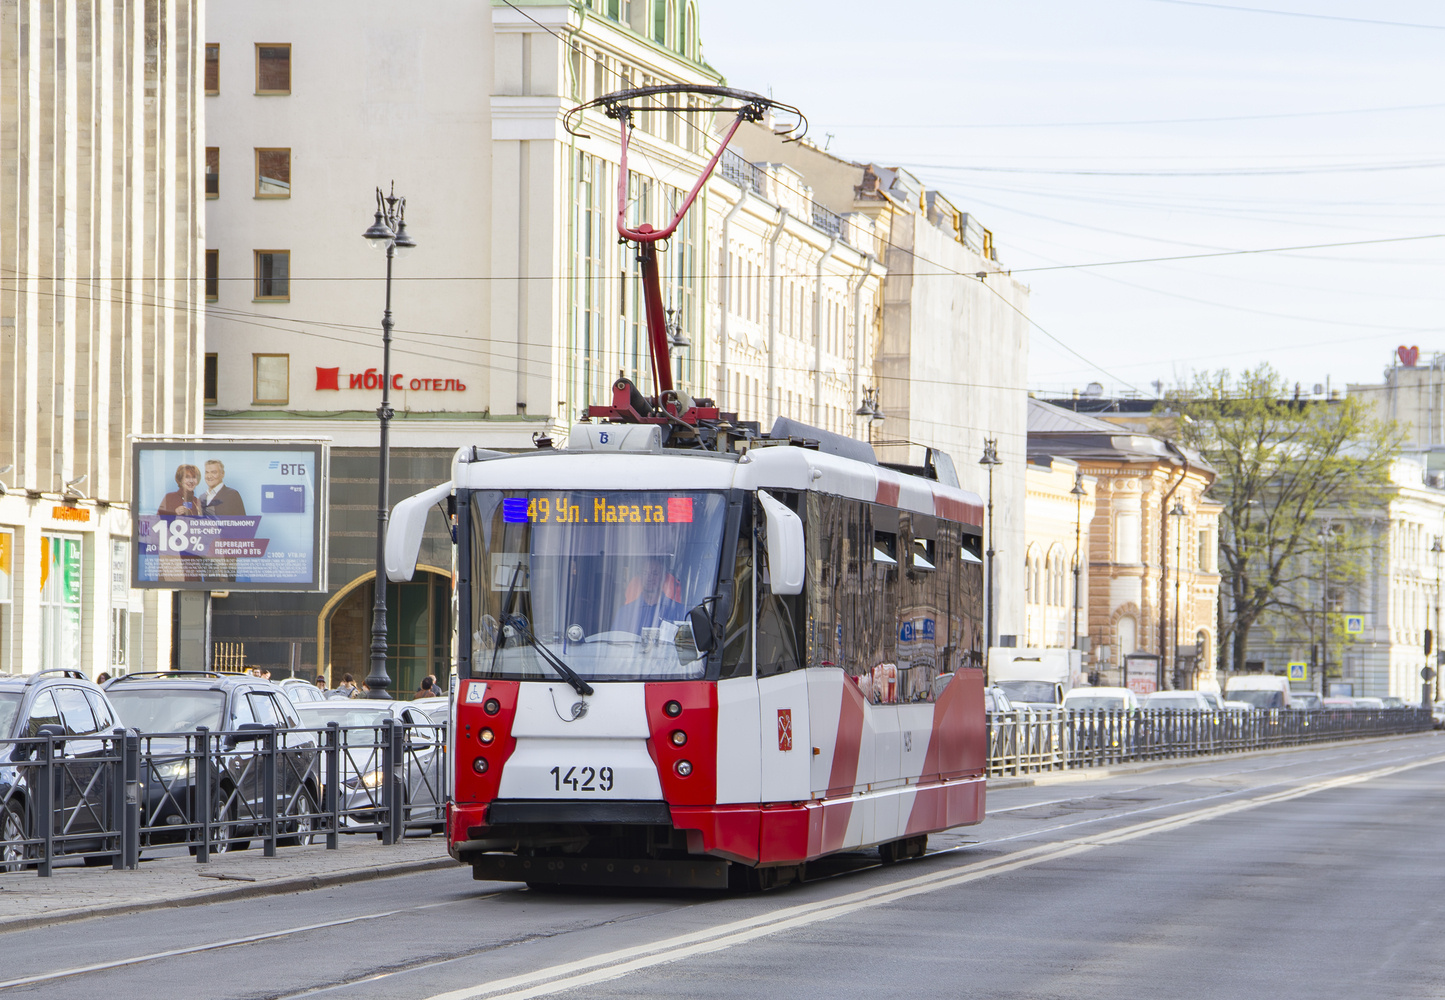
pixel 1391 701
pixel 66 705
pixel 300 690
pixel 1305 700
pixel 1103 718
pixel 1238 706
pixel 1038 694
pixel 1110 698
pixel 1260 690
pixel 995 700
pixel 1437 713
pixel 170 705
pixel 423 774
pixel 1176 699
pixel 1368 702
pixel 1215 699
pixel 1337 702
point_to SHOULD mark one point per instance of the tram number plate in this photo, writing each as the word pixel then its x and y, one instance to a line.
pixel 582 779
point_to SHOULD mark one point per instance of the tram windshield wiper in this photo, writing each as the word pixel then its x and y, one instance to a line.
pixel 524 632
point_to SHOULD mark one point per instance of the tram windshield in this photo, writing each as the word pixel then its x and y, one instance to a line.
pixel 602 580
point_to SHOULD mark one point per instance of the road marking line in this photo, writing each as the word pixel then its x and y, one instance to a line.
pixel 615 965
pixel 230 943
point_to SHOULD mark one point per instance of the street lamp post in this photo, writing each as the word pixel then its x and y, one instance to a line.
pixel 869 408
pixel 1078 493
pixel 389 230
pixel 1178 513
pixel 989 460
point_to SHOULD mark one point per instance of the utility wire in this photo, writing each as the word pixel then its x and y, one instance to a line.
pixel 1296 13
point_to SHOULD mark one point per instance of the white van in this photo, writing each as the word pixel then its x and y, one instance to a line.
pixel 1260 690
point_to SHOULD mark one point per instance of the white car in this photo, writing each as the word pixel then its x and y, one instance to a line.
pixel 1108 698
pixel 1176 699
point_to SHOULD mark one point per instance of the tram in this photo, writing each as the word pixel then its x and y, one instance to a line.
pixel 689 653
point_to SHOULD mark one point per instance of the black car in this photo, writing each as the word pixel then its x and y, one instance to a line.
pixel 240 712
pixel 67 706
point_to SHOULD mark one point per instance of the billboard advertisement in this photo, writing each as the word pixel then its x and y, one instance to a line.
pixel 229 515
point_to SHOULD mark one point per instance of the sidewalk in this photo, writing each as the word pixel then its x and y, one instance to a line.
pixel 78 893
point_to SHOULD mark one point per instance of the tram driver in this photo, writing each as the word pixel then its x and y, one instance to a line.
pixel 652 604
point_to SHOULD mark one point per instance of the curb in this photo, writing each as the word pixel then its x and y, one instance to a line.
pixel 1142 767
pixel 300 883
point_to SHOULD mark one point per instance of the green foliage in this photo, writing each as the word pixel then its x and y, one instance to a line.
pixel 1293 474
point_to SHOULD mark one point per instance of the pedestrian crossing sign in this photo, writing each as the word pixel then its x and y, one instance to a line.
pixel 1354 624
pixel 1298 671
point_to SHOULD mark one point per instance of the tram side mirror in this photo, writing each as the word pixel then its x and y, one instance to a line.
pixel 404 529
pixel 787 558
pixel 704 638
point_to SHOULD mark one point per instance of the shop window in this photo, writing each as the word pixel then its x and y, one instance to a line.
pixel 273 275
pixel 213 171
pixel 7 563
pixel 60 601
pixel 213 275
pixel 271 378
pixel 213 69
pixel 273 69
pixel 273 173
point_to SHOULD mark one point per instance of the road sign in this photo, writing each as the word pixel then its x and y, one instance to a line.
pixel 1299 671
pixel 1354 624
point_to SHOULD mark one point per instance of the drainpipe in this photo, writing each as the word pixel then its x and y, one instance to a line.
pixel 857 296
pixel 1164 558
pixel 773 301
pixel 727 277
pixel 818 335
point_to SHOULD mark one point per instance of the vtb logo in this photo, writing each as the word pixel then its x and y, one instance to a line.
pixel 785 729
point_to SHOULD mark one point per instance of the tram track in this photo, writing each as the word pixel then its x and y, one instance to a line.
pixel 778 920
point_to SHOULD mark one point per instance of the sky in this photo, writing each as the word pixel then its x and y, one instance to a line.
pixel 1123 130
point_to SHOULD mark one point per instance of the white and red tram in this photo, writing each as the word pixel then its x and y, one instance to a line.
pixel 703 668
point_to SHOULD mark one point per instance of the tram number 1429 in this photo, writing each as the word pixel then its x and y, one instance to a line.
pixel 582 779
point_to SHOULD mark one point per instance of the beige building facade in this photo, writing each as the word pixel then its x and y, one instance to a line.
pixel 1058 518
pixel 101 178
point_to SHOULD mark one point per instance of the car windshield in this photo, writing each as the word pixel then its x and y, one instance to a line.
pixel 1095 701
pixel 1171 701
pixel 165 709
pixel 1034 691
pixel 1261 698
pixel 603 580
pixel 9 707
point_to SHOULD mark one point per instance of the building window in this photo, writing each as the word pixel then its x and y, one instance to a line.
pixel 213 69
pixel 60 601
pixel 273 69
pixel 1127 542
pixel 209 380
pixel 213 171
pixel 213 275
pixel 273 275
pixel 273 173
pixel 271 381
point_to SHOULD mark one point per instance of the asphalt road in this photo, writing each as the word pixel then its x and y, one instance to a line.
pixel 1314 873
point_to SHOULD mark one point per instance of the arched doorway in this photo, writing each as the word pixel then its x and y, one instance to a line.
pixel 418 630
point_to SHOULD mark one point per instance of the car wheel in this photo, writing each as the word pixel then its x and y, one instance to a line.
pixel 304 829
pixel 14 854
pixel 226 838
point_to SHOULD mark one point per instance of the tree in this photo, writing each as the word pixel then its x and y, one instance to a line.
pixel 1287 468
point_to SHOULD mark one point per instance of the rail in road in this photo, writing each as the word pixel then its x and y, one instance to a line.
pixel 1203 878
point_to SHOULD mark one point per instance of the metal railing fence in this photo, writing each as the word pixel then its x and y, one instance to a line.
pixel 1026 741
pixel 105 797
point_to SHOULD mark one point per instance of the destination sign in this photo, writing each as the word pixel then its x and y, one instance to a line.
pixel 565 509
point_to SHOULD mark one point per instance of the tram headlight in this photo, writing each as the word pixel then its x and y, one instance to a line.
pixel 683 768
pixel 673 709
pixel 491 706
pixel 480 765
pixel 679 738
pixel 486 736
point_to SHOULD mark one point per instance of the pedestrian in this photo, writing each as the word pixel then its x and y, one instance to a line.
pixel 347 687
pixel 102 677
pixel 321 683
pixel 425 691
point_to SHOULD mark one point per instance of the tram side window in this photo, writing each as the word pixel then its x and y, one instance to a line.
pixel 737 646
pixel 781 618
pixel 852 594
